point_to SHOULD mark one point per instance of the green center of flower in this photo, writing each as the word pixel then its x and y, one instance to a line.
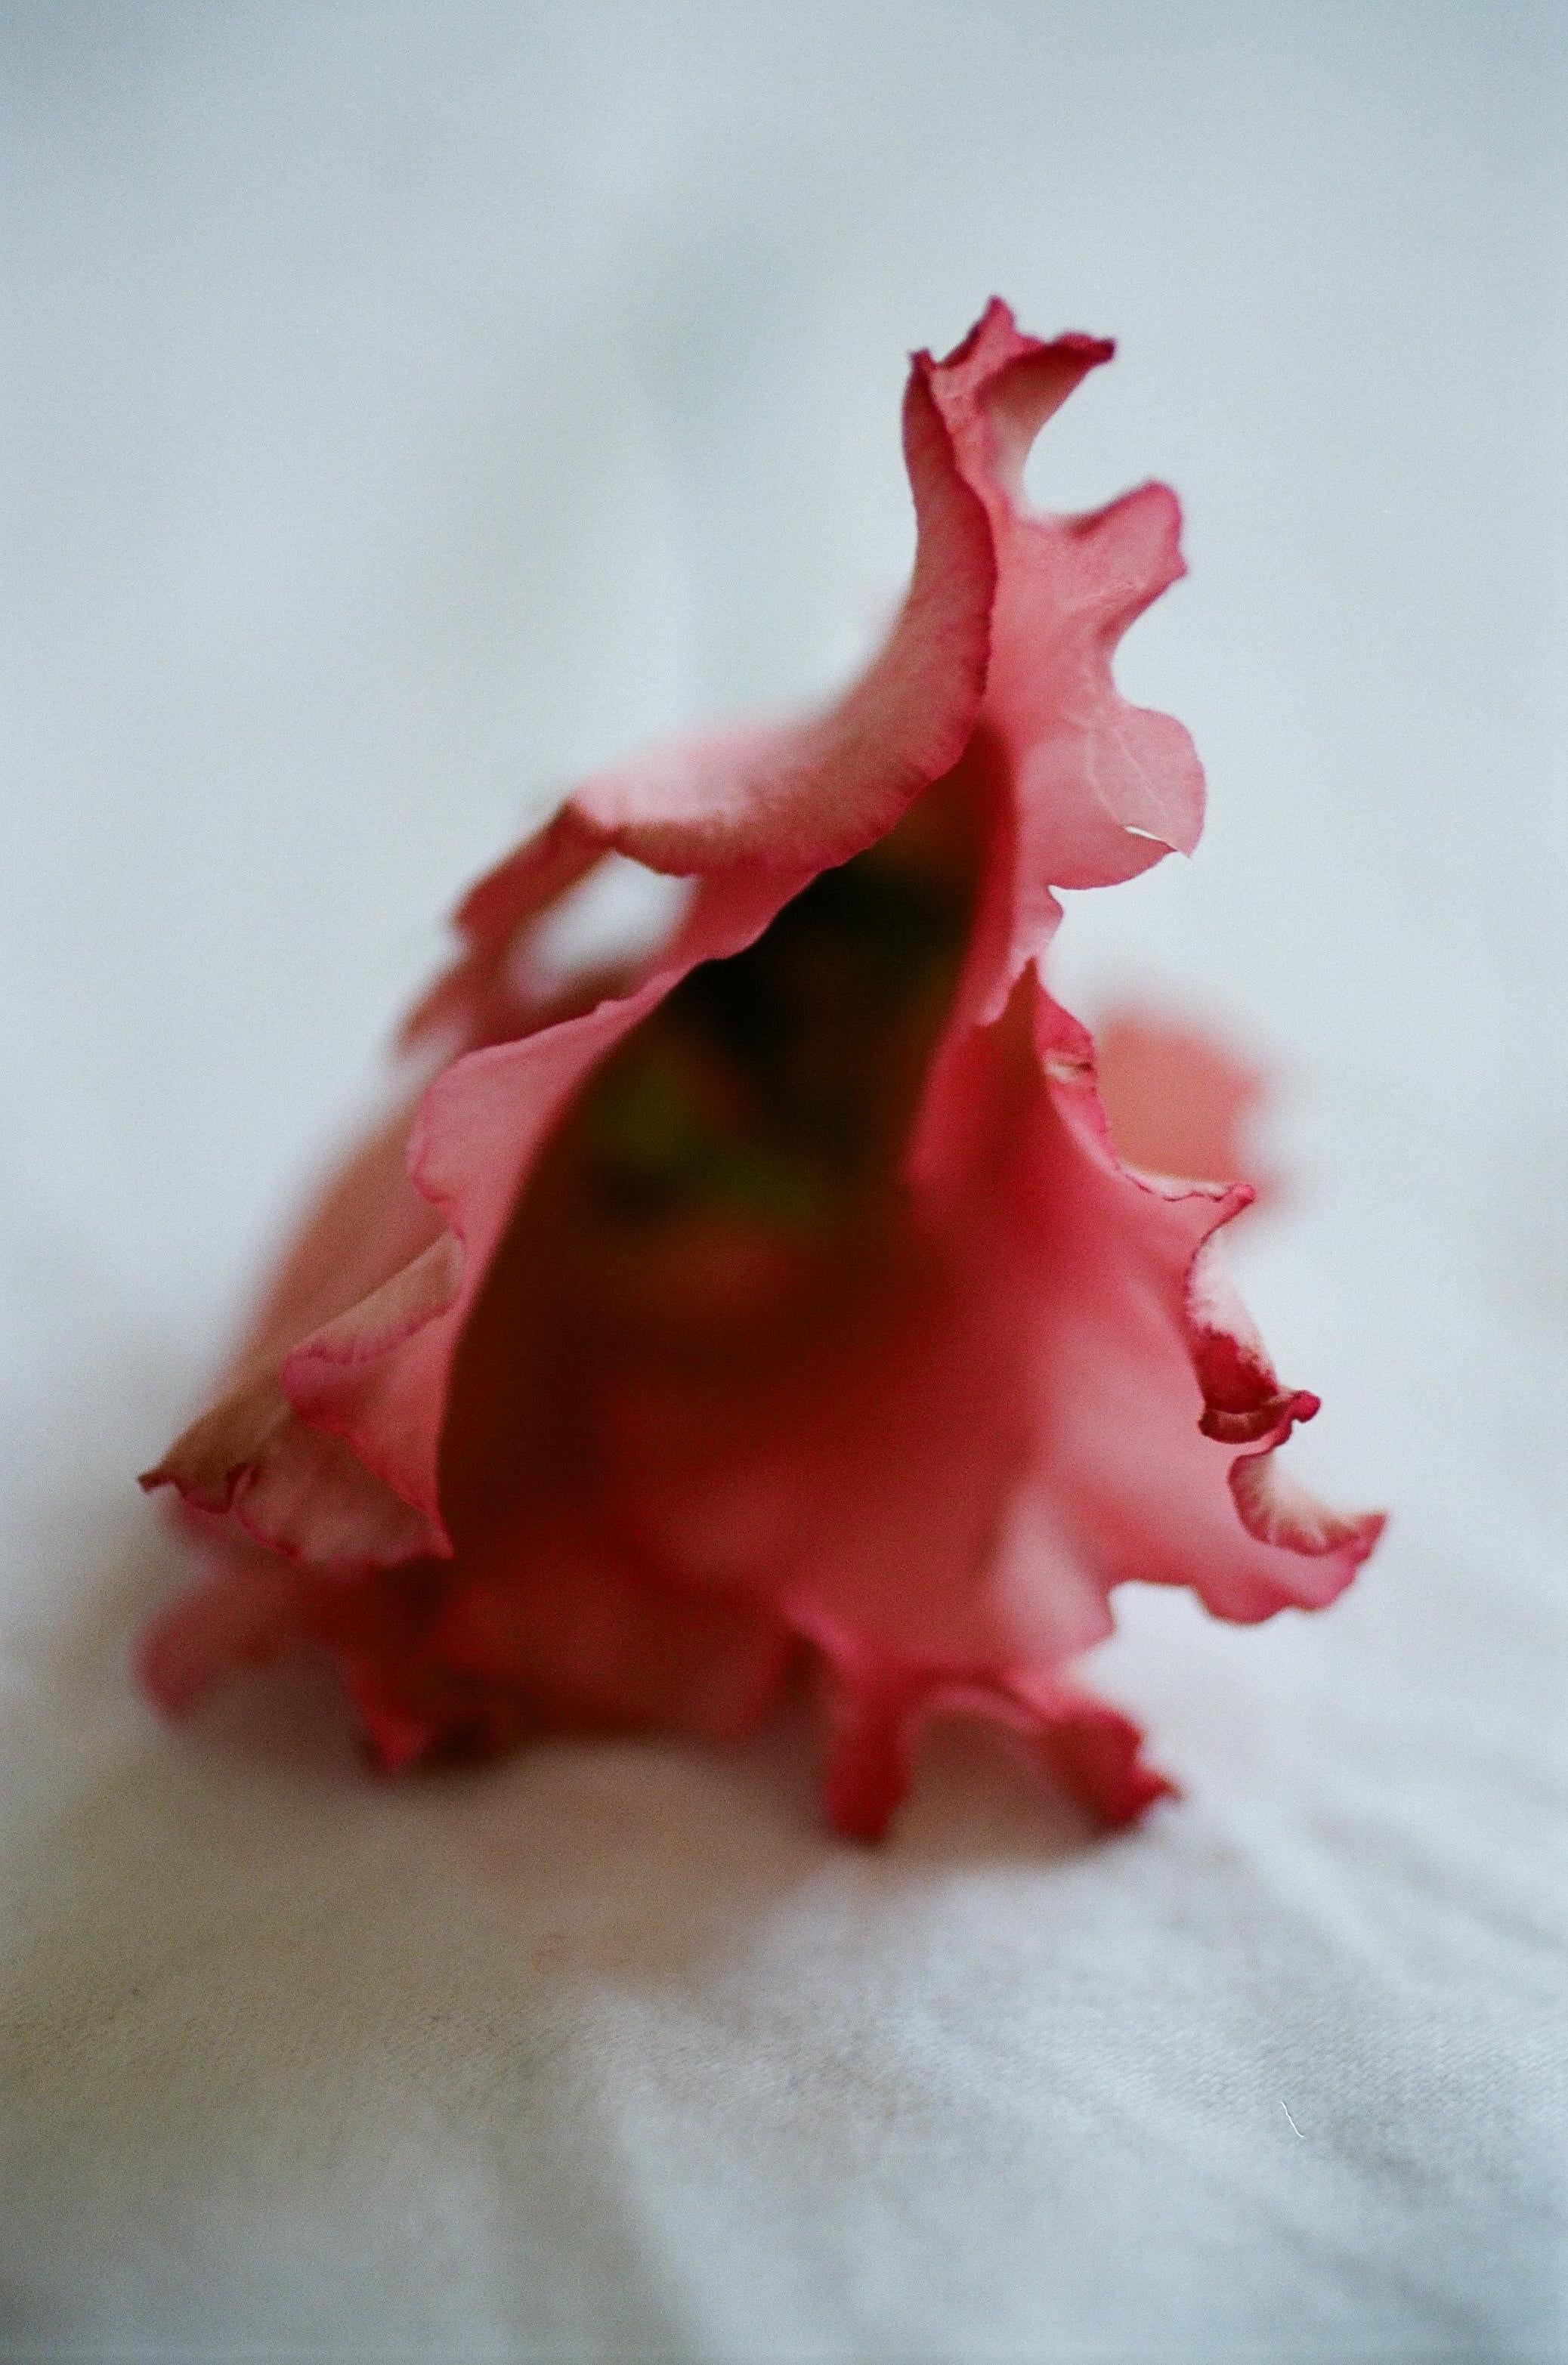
pixel 775 1087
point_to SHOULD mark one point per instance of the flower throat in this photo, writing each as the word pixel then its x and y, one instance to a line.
pixel 776 1088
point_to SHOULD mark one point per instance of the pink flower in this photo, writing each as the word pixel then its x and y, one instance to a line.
pixel 783 1297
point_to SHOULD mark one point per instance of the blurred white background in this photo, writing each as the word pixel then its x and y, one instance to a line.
pixel 408 407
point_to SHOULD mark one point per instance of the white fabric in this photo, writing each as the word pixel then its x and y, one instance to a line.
pixel 407 408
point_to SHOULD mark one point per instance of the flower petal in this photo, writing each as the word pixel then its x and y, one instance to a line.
pixel 1277 1509
pixel 808 794
pixel 876 1718
pixel 290 1487
pixel 1178 1101
pixel 871 1478
pixel 543 1628
pixel 1098 789
pixel 571 1620
pixel 941 1490
pixel 479 1129
pixel 794 796
pixel 1150 1370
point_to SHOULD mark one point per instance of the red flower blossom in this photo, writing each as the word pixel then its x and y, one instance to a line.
pixel 783 1295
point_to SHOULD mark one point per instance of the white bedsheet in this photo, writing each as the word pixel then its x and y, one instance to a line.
pixel 410 408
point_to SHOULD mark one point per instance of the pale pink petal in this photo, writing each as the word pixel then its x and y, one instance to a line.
pixel 532 877
pixel 1148 1372
pixel 332 1452
pixel 803 795
pixel 290 1487
pixel 1277 1509
pixel 480 1128
pixel 1178 1101
pixel 371 1256
pixel 876 1716
pixel 1099 789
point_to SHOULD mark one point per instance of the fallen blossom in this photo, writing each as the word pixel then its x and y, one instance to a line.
pixel 783 1295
